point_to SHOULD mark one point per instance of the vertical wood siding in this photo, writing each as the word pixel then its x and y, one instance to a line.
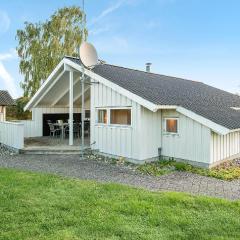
pixel 110 139
pixel 191 143
pixel 12 134
pixel 150 133
pixel 224 146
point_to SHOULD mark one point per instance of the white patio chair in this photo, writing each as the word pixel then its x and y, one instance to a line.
pixel 54 130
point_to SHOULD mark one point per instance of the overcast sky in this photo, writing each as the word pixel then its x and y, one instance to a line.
pixel 194 39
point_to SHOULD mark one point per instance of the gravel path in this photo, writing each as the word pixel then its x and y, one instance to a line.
pixel 73 166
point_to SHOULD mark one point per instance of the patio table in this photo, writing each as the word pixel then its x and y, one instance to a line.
pixel 62 127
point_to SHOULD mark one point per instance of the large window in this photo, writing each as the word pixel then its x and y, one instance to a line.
pixel 120 116
pixel 171 125
pixel 102 116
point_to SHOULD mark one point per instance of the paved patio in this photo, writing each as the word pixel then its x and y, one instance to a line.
pixel 73 166
pixel 54 143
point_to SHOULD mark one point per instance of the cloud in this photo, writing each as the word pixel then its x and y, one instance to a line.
pixel 108 11
pixel 9 55
pixel 4 22
pixel 8 80
pixel 5 75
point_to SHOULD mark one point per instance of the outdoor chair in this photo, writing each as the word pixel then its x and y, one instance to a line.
pixel 76 130
pixel 53 130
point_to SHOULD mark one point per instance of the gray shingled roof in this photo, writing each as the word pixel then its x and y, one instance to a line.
pixel 209 102
pixel 5 98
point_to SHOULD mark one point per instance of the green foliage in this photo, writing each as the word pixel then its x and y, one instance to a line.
pixel 41 206
pixel 17 112
pixel 226 171
pixel 41 46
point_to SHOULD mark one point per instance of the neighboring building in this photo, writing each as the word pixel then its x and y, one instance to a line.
pixel 5 100
pixel 139 115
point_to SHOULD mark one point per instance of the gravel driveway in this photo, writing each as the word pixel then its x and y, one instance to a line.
pixel 73 166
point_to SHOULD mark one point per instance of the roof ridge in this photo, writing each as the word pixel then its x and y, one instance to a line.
pixel 137 70
pixel 152 73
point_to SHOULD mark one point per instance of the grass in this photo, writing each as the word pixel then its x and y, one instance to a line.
pixel 41 206
pixel 225 171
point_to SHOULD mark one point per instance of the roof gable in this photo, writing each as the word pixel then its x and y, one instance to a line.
pixel 5 98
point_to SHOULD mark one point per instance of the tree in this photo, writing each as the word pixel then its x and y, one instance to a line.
pixel 41 46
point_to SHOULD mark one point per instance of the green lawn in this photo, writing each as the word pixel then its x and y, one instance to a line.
pixel 226 171
pixel 41 206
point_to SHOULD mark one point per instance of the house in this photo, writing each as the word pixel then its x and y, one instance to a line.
pixel 138 115
pixel 5 100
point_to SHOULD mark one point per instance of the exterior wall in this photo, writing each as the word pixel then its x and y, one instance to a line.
pixel 12 134
pixel 150 126
pixel 111 139
pixel 192 143
pixel 224 146
pixel 140 141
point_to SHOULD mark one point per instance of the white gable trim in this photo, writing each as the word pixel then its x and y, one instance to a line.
pixel 204 121
pixel 40 91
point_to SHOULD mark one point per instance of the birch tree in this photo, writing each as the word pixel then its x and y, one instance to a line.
pixel 42 45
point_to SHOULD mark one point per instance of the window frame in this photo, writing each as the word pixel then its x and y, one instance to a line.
pixel 120 108
pixel 97 111
pixel 165 125
pixel 109 124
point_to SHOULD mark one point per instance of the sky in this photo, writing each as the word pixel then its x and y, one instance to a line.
pixel 192 39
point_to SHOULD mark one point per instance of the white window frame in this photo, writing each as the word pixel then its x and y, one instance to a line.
pixel 165 125
pixel 109 117
pixel 119 108
pixel 96 119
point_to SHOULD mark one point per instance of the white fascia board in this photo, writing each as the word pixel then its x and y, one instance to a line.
pixel 149 105
pixel 204 121
pixel 166 107
pixel 234 130
pixel 40 91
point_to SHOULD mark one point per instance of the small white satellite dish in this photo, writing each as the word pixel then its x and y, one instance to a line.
pixel 88 54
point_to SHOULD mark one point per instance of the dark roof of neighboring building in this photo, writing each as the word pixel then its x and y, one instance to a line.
pixel 209 102
pixel 5 98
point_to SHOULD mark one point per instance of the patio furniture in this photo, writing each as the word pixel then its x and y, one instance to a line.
pixel 86 128
pixel 60 122
pixel 53 130
pixel 76 130
pixel 61 125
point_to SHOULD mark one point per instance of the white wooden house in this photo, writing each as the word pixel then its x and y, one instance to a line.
pixel 140 115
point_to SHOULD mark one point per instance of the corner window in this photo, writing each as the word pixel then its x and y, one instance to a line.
pixel 171 125
pixel 120 116
pixel 102 116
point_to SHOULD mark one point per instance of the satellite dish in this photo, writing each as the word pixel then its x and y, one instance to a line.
pixel 88 54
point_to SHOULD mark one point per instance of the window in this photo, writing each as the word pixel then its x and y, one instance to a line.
pixel 1 109
pixel 102 116
pixel 121 116
pixel 171 125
